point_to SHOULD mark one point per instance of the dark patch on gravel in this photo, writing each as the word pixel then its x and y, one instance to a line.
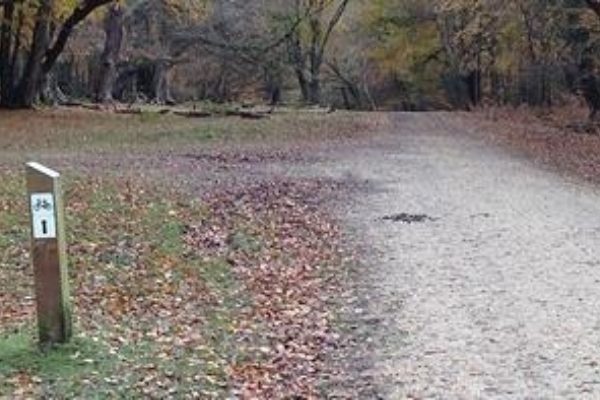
pixel 409 218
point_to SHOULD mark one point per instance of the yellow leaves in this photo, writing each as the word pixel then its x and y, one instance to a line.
pixel 187 10
pixel 407 47
pixel 409 35
pixel 63 8
pixel 511 36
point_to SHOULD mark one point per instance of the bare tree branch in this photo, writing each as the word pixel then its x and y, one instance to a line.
pixel 339 12
pixel 78 15
pixel 251 54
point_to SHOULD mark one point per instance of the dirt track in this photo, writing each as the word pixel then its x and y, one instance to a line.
pixel 495 293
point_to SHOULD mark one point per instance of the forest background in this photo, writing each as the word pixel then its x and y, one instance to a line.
pixel 380 54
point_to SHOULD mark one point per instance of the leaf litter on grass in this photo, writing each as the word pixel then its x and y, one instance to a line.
pixel 286 256
pixel 227 295
pixel 186 299
pixel 136 288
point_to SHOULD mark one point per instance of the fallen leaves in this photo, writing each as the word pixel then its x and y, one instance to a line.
pixel 134 286
pixel 560 138
pixel 230 290
pixel 191 298
pixel 286 329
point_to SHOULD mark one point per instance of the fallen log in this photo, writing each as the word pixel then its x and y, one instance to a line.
pixel 193 114
pixel 247 114
pixel 130 111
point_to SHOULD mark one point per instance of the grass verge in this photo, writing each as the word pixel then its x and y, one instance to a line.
pixel 154 318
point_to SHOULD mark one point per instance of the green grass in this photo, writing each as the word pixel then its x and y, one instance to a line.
pixel 88 369
pixel 128 260
pixel 129 238
pixel 74 368
pixel 170 230
pixel 245 241
pixel 41 132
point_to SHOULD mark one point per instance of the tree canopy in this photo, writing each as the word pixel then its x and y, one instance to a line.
pixel 403 54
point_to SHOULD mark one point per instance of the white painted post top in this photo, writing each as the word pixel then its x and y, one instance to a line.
pixel 43 170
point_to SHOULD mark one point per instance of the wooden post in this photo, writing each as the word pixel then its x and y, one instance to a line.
pixel 48 251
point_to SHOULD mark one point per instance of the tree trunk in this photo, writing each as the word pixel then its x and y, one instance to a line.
pixel 114 30
pixel 20 85
pixel 314 90
pixel 50 92
pixel 6 34
pixel 302 83
pixel 161 87
pixel 591 92
pixel 315 59
pixel 299 64
pixel 347 104
pixel 272 83
pixel 350 88
pixel 30 82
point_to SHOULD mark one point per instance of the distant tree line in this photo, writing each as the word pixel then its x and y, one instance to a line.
pixel 399 54
pixel 52 51
pixel 463 53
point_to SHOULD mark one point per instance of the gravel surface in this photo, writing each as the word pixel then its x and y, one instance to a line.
pixel 483 277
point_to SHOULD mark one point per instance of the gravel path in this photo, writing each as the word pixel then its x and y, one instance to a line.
pixel 496 294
